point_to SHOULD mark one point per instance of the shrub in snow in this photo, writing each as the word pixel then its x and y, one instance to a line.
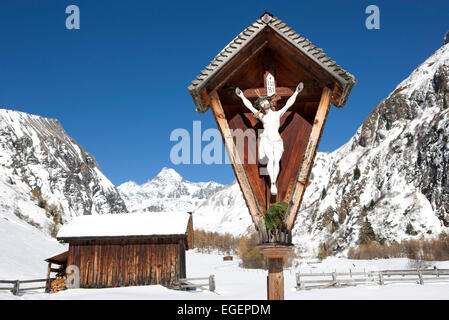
pixel 249 253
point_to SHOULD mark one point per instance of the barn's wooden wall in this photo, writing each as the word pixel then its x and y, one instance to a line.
pixel 128 262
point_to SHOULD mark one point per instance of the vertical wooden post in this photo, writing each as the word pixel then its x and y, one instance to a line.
pixel 15 290
pixel 212 283
pixel 275 255
pixel 47 284
pixel 298 281
pixel 421 280
pixel 381 278
pixel 275 279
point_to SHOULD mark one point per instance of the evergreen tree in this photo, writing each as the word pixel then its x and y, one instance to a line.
pixel 366 234
pixel 323 193
pixel 356 175
pixel 410 230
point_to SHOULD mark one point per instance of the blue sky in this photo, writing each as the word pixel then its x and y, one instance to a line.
pixel 119 84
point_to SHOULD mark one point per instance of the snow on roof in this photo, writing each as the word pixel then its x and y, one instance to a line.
pixel 126 225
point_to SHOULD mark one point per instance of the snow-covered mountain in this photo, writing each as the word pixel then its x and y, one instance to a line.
pixel 393 171
pixel 223 212
pixel 168 191
pixel 215 207
pixel 45 176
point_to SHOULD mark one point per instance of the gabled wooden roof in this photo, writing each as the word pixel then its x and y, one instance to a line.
pixel 267 20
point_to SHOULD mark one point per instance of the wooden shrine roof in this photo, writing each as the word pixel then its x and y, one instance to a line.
pixel 267 20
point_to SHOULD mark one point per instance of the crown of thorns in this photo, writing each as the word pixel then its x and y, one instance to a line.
pixel 260 99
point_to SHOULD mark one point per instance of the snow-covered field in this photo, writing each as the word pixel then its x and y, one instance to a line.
pixel 23 249
pixel 233 282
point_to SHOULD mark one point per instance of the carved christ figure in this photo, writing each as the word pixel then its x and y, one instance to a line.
pixel 271 145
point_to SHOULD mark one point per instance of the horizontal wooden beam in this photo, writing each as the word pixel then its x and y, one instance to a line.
pixel 310 87
pixel 254 93
pixel 229 97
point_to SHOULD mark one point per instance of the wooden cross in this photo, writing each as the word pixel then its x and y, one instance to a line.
pixel 269 89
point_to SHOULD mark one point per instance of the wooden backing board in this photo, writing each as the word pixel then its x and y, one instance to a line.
pixel 237 163
pixel 309 156
pixel 295 132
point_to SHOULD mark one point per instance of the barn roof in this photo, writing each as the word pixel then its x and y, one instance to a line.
pixel 60 258
pixel 151 224
pixel 267 20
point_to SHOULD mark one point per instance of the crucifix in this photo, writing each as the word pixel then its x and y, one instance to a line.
pixel 271 146
pixel 271 49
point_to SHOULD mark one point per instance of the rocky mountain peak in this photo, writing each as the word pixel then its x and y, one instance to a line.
pixel 446 38
pixel 168 174
pixel 168 191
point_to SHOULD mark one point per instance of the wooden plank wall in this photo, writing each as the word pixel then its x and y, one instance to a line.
pixel 109 263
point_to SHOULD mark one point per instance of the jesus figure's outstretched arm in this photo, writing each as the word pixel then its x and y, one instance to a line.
pixel 246 102
pixel 292 99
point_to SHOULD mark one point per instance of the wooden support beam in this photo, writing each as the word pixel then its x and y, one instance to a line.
pixel 237 163
pixel 275 255
pixel 205 99
pixel 309 156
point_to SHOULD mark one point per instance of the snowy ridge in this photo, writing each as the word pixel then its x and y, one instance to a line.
pixel 45 174
pixel 224 212
pixel 422 77
pixel 401 152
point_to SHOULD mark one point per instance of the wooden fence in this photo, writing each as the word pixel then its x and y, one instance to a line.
pixel 17 285
pixel 339 279
pixel 208 283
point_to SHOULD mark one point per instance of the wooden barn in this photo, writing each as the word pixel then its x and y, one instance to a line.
pixel 128 249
